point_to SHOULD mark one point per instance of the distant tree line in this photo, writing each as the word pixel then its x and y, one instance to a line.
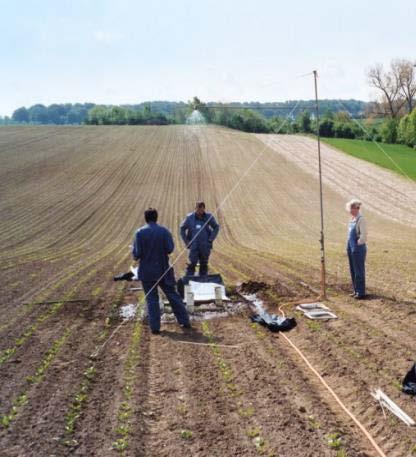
pixel 391 118
pixel 289 117
pixel 158 112
pixel 332 124
pixel 60 114
pixel 338 124
pixel 356 108
pixel 117 115
pixel 163 112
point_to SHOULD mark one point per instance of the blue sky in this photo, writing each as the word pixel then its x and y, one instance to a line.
pixel 124 51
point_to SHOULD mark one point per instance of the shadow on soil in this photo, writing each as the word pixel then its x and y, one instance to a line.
pixel 190 336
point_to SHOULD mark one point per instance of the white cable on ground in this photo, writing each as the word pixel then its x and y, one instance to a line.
pixel 227 346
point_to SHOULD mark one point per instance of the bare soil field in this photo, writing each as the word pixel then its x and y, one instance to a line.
pixel 71 199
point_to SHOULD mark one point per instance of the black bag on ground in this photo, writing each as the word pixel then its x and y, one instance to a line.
pixel 274 323
pixel 124 276
pixel 409 381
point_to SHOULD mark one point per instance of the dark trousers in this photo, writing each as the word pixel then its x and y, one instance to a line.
pixel 356 259
pixel 196 255
pixel 175 300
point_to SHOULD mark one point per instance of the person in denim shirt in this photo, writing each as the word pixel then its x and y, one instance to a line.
pixel 152 245
pixel 198 231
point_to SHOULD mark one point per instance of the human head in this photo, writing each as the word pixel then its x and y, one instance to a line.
pixel 200 208
pixel 150 215
pixel 353 207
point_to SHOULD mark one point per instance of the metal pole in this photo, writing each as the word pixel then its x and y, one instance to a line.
pixel 323 273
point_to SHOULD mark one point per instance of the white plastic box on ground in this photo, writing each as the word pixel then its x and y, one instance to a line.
pixel 205 291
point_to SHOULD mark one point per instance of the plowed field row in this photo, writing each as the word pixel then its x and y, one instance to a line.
pixel 71 198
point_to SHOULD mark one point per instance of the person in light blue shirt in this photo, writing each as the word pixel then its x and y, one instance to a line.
pixel 198 231
pixel 151 247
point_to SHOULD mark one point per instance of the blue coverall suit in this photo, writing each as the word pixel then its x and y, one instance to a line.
pixel 198 233
pixel 356 256
pixel 152 245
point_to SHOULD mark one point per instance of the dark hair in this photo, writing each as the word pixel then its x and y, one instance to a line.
pixel 150 215
pixel 200 205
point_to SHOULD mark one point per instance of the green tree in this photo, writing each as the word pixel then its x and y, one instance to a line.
pixel 326 127
pixel 56 114
pixel 97 115
pixel 406 131
pixel 342 116
pixel 38 114
pixel 117 115
pixel 304 121
pixel 344 130
pixel 388 131
pixel 21 115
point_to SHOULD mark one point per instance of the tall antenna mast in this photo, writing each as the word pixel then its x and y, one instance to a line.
pixel 323 272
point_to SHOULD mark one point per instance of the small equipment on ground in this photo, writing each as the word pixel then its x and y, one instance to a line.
pixel 316 311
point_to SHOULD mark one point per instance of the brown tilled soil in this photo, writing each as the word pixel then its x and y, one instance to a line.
pixel 71 200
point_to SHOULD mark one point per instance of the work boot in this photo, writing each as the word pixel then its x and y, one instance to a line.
pixel 187 326
pixel 155 332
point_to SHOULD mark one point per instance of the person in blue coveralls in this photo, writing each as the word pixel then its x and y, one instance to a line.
pixel 198 231
pixel 357 248
pixel 151 247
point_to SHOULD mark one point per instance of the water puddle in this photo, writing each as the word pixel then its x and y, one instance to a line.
pixel 207 311
pixel 257 302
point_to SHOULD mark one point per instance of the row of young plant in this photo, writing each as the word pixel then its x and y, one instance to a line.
pixel 59 281
pixel 334 439
pixel 26 253
pixel 81 395
pixel 38 375
pixel 7 353
pixel 17 226
pixel 246 412
pixel 18 342
pixel 123 428
pixel 101 232
pixel 355 356
pixel 61 278
pixel 45 294
pixel 341 340
pixel 64 220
